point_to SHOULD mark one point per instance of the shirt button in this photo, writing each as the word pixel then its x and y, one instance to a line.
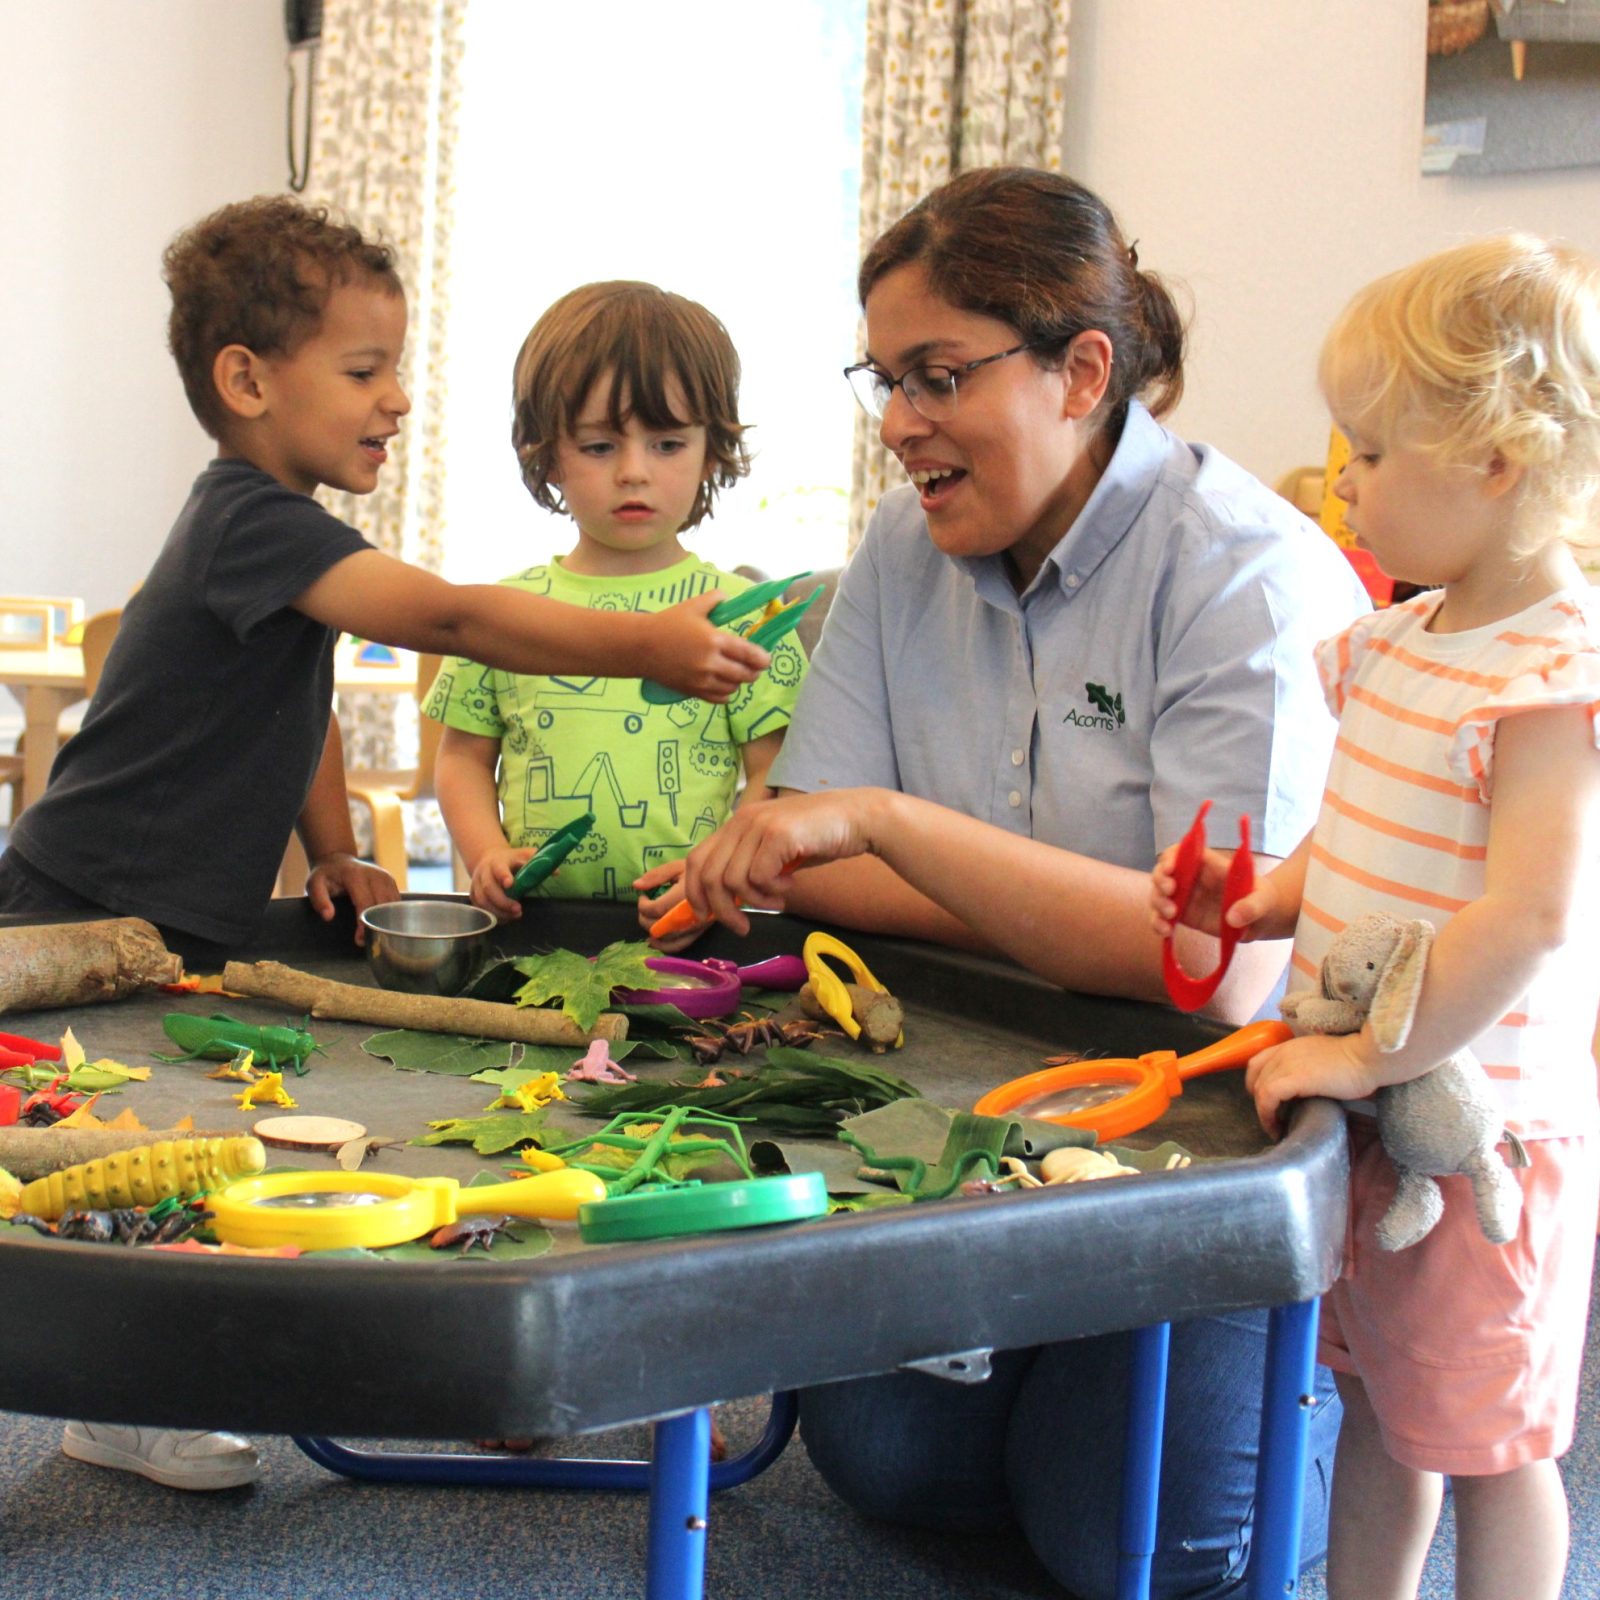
pixel 1072 580
pixel 1015 797
pixel 1018 757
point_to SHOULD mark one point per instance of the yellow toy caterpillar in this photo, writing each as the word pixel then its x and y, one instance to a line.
pixel 143 1176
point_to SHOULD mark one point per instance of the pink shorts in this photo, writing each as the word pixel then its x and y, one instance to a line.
pixel 1469 1351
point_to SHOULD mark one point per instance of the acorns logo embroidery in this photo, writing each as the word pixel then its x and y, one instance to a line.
pixel 1108 712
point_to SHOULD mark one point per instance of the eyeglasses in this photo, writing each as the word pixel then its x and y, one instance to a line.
pixel 930 389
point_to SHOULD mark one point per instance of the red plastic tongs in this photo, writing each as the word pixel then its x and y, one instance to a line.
pixel 1189 994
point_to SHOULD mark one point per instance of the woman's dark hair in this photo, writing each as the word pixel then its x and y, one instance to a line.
pixel 1043 254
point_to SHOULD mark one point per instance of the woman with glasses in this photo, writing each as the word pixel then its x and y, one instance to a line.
pixel 1068 631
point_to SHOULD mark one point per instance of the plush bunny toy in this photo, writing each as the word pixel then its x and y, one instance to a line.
pixel 1445 1121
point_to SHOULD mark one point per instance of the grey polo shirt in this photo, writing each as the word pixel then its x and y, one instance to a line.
pixel 1162 656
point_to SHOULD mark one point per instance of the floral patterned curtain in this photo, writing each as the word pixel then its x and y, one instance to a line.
pixel 388 74
pixel 950 85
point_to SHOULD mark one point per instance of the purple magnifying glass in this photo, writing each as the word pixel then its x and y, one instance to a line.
pixel 712 988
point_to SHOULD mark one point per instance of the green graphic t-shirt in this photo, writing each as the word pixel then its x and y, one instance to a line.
pixel 657 778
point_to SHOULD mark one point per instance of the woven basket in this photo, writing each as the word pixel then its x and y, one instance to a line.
pixel 1455 24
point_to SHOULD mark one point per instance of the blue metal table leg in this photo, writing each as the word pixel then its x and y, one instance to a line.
pixel 537 1472
pixel 1141 1470
pixel 675 1565
pixel 1287 1402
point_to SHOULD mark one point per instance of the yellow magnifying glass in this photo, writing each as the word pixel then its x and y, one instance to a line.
pixel 368 1210
pixel 1114 1098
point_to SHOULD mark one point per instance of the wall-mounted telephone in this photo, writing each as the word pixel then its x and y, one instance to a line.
pixel 302 21
pixel 302 24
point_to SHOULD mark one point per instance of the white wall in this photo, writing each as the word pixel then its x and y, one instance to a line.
pixel 122 120
pixel 1267 154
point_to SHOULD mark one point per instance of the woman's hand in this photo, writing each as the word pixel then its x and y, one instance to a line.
pixel 491 881
pixel 362 882
pixel 651 911
pixel 1342 1066
pixel 750 859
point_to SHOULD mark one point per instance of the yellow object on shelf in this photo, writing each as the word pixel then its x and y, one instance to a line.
pixel 143 1176
pixel 1332 514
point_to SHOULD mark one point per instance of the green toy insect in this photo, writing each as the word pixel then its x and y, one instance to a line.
pixel 220 1038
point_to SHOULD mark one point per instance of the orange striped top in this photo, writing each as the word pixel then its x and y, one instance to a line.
pixel 1405 818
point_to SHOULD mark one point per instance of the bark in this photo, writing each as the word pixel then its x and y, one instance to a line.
pixel 349 1002
pixel 58 964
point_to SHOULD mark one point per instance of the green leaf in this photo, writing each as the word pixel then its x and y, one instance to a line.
pixel 414 1051
pixel 488 1135
pixel 584 987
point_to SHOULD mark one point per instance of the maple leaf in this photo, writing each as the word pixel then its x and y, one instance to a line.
pixel 582 986
pixel 487 1135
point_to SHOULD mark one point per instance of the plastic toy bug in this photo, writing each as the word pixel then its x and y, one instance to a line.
pixel 220 1038
pixel 473 1233
pixel 45 1107
pixel 130 1225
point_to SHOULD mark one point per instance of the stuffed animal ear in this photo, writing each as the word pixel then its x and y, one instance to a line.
pixel 1394 1003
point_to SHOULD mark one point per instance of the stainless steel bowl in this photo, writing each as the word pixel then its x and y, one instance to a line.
pixel 426 946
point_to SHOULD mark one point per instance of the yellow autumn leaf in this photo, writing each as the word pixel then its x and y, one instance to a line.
pixel 71 1051
pixel 126 1122
pixel 106 1064
pixel 83 1117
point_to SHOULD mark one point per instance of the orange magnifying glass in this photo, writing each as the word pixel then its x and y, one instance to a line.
pixel 1117 1097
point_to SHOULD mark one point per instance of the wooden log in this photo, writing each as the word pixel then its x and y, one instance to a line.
pixel 29 1153
pixel 48 965
pixel 476 1019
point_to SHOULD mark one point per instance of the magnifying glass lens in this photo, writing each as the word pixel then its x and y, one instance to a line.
pixel 1069 1102
pixel 320 1200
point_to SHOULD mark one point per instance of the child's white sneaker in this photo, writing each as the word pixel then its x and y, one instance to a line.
pixel 178 1460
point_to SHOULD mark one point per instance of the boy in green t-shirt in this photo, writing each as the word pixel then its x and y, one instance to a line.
pixel 625 417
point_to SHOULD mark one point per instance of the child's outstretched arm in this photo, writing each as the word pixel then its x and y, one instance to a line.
pixel 469 797
pixel 330 844
pixel 377 597
pixel 1544 837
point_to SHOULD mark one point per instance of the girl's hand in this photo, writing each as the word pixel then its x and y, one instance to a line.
pixel 652 910
pixel 1257 915
pixel 749 860
pixel 491 881
pixel 1341 1066
pixel 362 882
pixel 689 653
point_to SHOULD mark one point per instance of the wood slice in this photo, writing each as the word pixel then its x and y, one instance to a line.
pixel 307 1133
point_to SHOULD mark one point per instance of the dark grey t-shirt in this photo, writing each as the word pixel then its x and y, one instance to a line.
pixel 175 800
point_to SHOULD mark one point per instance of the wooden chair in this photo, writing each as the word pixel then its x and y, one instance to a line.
pixel 98 632
pixel 382 792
